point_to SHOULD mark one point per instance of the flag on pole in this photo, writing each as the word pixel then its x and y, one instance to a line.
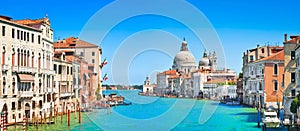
pixel 105 77
pixel 104 62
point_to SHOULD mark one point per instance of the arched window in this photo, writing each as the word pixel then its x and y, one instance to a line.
pixel 40 85
pixel 3 56
pixel 4 83
pixel 19 57
pixel 32 60
pixel 13 57
pixel 13 85
pixel 27 60
pixel 39 61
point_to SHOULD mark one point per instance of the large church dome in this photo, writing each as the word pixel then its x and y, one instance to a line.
pixel 184 58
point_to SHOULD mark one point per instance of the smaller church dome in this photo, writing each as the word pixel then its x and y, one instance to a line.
pixel 204 62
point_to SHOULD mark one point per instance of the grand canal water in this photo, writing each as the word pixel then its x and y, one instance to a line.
pixel 142 114
pixel 154 113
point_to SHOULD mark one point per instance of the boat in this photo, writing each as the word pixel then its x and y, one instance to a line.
pixel 270 119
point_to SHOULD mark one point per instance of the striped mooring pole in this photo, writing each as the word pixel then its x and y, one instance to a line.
pixel 24 123
pixel 1 121
pixel 4 120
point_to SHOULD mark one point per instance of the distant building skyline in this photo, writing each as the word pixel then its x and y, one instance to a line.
pixel 240 25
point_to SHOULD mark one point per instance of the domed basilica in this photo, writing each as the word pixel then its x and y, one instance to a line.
pixel 186 78
pixel 184 60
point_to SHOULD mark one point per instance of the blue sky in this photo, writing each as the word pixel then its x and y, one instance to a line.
pixel 240 25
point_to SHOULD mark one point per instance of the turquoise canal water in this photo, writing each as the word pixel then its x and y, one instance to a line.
pixel 160 114
pixel 153 113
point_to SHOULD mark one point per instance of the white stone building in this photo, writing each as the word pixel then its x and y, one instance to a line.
pixel 26 73
pixel 185 79
pixel 253 73
pixel 90 52
pixel 148 88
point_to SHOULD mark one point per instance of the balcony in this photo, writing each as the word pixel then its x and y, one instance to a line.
pixel 24 69
pixel 26 94
pixel 77 86
pixel 66 94
pixel 15 68
pixel 54 90
pixel 260 91
pixel 40 70
pixel 34 69
pixel 5 67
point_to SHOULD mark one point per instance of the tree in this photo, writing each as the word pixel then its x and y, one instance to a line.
pixel 294 104
pixel 241 75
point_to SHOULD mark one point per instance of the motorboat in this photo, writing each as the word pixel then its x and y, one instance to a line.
pixel 270 119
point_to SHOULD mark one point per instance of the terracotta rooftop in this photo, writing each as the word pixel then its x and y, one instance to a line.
pixel 216 81
pixel 293 39
pixel 277 56
pixel 20 22
pixel 72 42
pixel 270 47
pixel 169 72
pixel 173 76
pixel 61 51
pixel 33 22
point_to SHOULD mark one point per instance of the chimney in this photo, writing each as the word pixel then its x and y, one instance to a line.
pixel 285 37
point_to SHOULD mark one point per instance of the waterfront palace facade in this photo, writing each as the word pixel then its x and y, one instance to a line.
pixel 271 74
pixel 35 79
pixel 186 79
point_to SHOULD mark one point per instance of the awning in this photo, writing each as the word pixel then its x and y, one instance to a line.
pixel 86 76
pixel 26 78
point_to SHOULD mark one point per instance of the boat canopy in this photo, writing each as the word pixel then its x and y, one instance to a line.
pixel 270 113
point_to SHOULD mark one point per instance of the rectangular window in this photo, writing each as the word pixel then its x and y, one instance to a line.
pixel 59 69
pixel 262 71
pixel 293 92
pixel 292 55
pixel 18 34
pixel 67 69
pixel 275 85
pixel 55 69
pixel 39 39
pixel 32 38
pixel 282 81
pixel 293 77
pixel 93 60
pixel 12 33
pixel 71 70
pixel 275 69
pixel 93 53
pixel 262 50
pixel 24 36
pixel 251 58
pixel 19 104
pixel 13 105
pixel 3 30
pixel 27 36
pixel 33 104
pixel 21 35
pixel 81 53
